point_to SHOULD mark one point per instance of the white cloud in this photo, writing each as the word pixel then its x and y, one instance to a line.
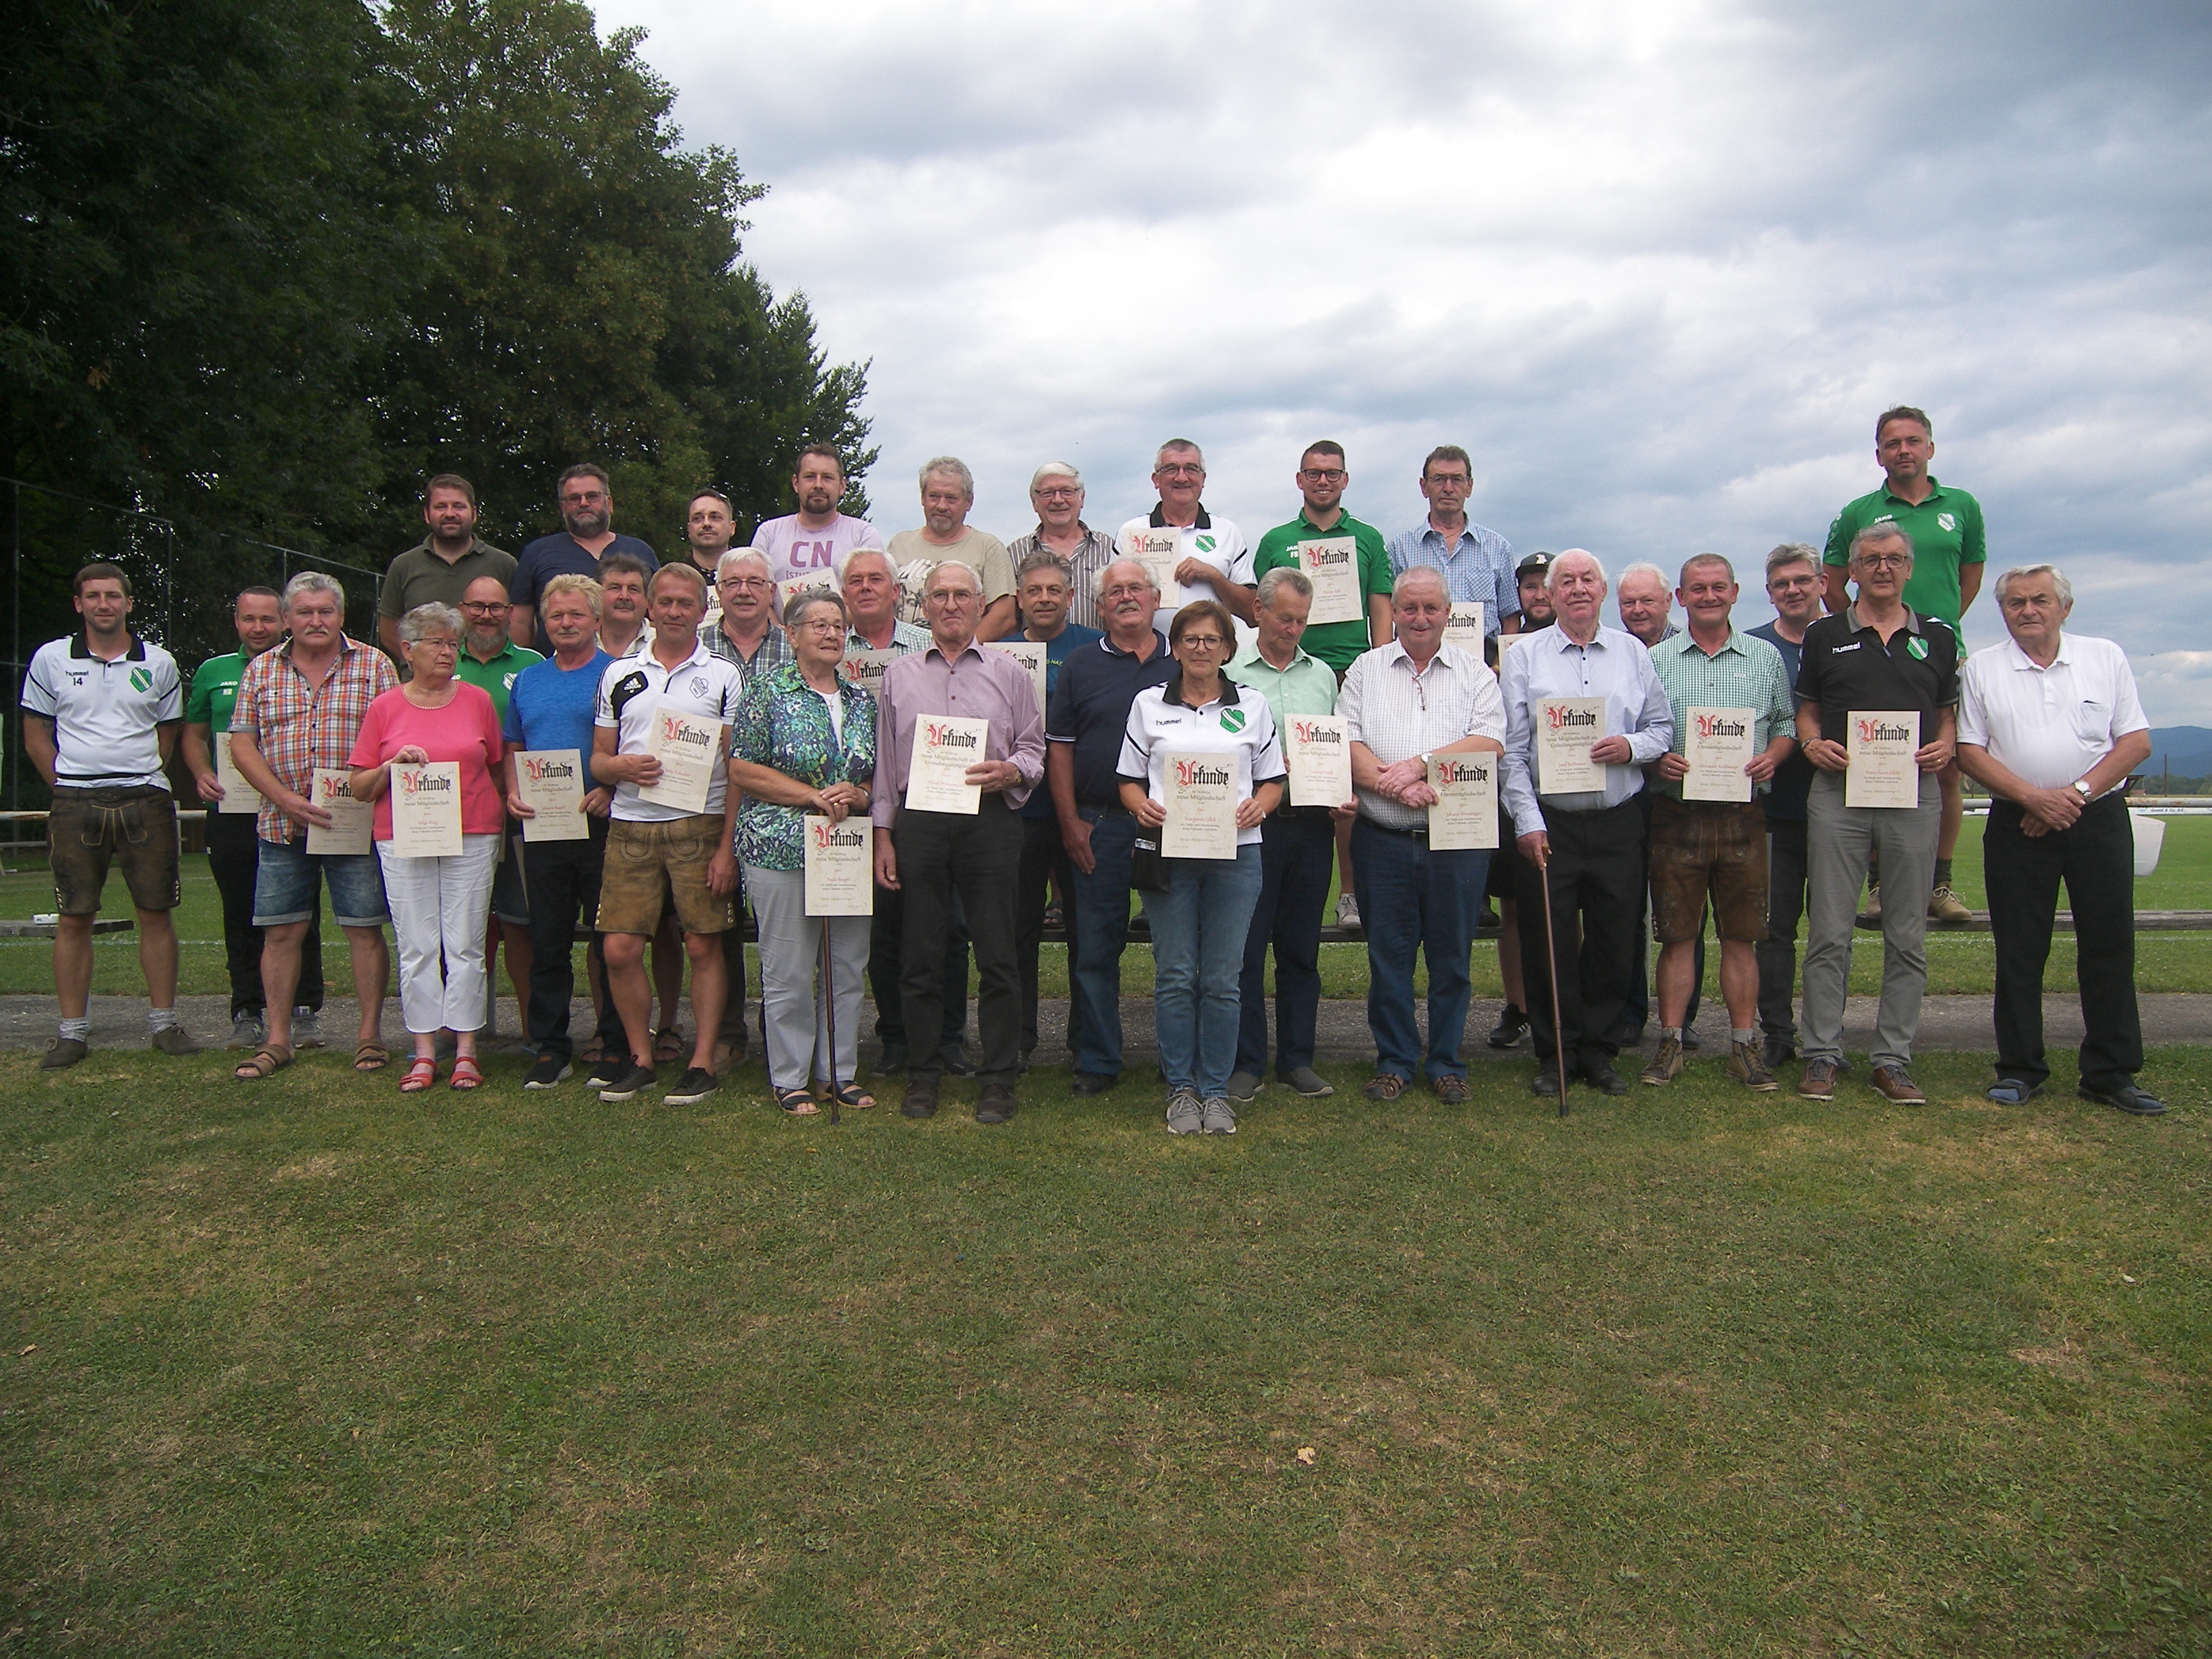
pixel 1658 266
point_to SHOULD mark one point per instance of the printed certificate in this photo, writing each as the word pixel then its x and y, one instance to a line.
pixel 1318 750
pixel 865 668
pixel 1464 816
pixel 1332 565
pixel 238 795
pixel 353 822
pixel 1565 729
pixel 426 811
pixel 1464 628
pixel 551 783
pixel 945 747
pixel 1030 654
pixel 1201 803
pixel 689 750
pixel 1159 551
pixel 791 586
pixel 841 879
pixel 1881 744
pixel 1716 742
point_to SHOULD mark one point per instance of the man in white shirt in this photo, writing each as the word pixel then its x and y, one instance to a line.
pixel 1404 704
pixel 813 541
pixel 2050 724
pixel 1585 847
pixel 948 496
pixel 1211 560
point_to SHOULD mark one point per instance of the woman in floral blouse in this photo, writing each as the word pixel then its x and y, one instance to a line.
pixel 805 748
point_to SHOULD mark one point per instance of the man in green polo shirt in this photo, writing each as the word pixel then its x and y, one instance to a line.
pixel 1949 547
pixel 438 569
pixel 1321 529
pixel 490 660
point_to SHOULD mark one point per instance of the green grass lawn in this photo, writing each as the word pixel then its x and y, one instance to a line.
pixel 1956 962
pixel 314 1369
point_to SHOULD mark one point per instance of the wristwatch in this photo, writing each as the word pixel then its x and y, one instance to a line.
pixel 2081 789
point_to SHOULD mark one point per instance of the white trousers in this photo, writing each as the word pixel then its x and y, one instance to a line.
pixel 792 1013
pixel 440 908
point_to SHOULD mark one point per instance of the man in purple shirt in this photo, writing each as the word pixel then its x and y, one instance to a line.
pixel 814 541
pixel 927 853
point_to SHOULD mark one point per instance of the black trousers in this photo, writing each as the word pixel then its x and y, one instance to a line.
pixel 733 1030
pixel 886 972
pixel 234 859
pixel 1592 886
pixel 564 897
pixel 2096 859
pixel 1044 859
pixel 1785 907
pixel 979 858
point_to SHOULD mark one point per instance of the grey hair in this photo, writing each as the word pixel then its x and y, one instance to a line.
pixel 1412 573
pixel 1044 559
pixel 1552 575
pixel 796 606
pixel 313 581
pixel 1098 582
pixel 952 467
pixel 1280 577
pixel 1720 559
pixel 424 620
pixel 1887 530
pixel 1160 455
pixel 738 555
pixel 1055 469
pixel 1642 568
pixel 845 564
pixel 960 565
pixel 1789 553
pixel 2065 589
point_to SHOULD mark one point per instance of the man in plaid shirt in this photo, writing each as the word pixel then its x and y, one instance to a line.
pixel 299 708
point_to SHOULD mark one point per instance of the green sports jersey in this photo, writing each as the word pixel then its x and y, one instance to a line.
pixel 1947 534
pixel 214 692
pixel 497 676
pixel 1333 643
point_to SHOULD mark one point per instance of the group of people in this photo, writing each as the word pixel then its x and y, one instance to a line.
pixel 961 737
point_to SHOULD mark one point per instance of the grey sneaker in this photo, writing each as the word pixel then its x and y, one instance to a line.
pixel 306 1029
pixel 173 1040
pixel 1218 1117
pixel 1186 1113
pixel 1308 1082
pixel 1242 1086
pixel 1348 911
pixel 246 1032
pixel 1666 1065
pixel 63 1051
pixel 1749 1066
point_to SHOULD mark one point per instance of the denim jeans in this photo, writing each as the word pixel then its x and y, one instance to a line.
pixel 1101 934
pixel 1412 898
pixel 1295 861
pixel 1199 928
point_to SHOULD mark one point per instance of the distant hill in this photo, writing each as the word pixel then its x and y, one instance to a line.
pixel 2186 748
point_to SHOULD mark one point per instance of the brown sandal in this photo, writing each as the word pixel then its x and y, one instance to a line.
pixel 1385 1085
pixel 371 1057
pixel 668 1045
pixel 272 1059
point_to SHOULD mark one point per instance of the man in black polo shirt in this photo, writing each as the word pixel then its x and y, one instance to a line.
pixel 1793 588
pixel 587 536
pixel 1084 728
pixel 1878 658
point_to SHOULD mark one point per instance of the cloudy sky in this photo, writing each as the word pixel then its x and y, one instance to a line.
pixel 1656 265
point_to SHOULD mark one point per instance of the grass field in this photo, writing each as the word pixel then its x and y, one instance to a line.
pixel 312 1369
pixel 1958 962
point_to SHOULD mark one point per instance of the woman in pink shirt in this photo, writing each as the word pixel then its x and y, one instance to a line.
pixel 438 904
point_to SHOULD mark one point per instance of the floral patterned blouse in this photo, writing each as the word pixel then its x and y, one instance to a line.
pixel 783 724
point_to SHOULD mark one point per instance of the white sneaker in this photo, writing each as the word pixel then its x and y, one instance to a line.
pixel 1347 911
pixel 1186 1113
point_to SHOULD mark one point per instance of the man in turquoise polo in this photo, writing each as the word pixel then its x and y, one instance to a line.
pixel 1949 547
pixel 1323 523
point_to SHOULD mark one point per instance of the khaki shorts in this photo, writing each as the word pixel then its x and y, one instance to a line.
pixel 88 830
pixel 646 862
pixel 1704 850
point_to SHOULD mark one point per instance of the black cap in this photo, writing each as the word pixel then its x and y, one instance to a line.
pixel 1538 563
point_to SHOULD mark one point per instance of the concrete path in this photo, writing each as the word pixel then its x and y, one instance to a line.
pixel 1958 1023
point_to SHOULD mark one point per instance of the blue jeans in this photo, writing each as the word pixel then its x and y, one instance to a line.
pixel 1295 861
pixel 1100 935
pixel 1199 928
pixel 1413 899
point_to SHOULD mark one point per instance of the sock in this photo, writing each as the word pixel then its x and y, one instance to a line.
pixel 160 1018
pixel 303 1012
pixel 1942 873
pixel 78 1028
pixel 1735 1035
pixel 1673 1031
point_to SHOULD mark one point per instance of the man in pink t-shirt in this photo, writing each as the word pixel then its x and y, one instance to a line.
pixel 814 541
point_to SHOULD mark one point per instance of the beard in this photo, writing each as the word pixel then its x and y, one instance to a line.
pixel 585 523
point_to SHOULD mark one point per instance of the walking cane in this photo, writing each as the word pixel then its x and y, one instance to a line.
pixel 829 1001
pixel 1552 969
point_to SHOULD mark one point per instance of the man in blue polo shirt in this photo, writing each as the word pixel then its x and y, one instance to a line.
pixel 1088 716
pixel 587 536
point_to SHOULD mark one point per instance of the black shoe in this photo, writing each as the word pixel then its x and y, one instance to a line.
pixel 2127 1097
pixel 1512 1026
pixel 1546 1084
pixel 1602 1078
pixel 1092 1083
pixel 1489 918
pixel 997 1104
pixel 921 1098
pixel 1691 1041
pixel 633 1078
pixel 604 1071
pixel 548 1072
pixel 955 1059
pixel 694 1087
pixel 1780 1052
pixel 1631 1037
pixel 894 1060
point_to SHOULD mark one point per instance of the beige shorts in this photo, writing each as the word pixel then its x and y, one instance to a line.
pixel 648 862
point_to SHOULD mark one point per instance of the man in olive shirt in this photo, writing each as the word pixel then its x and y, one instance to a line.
pixel 438 569
pixel 1949 546
pixel 490 661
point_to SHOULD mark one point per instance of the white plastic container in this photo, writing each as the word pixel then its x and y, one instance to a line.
pixel 2150 838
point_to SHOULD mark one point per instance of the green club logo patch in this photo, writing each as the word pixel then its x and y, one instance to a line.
pixel 1918 649
pixel 141 679
pixel 1232 719
pixel 1205 543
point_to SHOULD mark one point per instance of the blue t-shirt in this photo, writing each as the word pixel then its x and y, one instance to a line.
pixel 1786 798
pixel 551 707
pixel 1039 805
pixel 562 554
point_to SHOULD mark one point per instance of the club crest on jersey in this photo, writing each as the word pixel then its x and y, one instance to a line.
pixel 141 679
pixel 1205 543
pixel 1916 649
pixel 1232 719
pixel 698 685
pixel 1949 521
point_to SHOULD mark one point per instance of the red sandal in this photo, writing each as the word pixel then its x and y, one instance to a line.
pixel 422 1074
pixel 466 1074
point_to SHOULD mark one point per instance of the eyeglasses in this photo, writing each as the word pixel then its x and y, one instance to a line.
pixel 1060 493
pixel 485 607
pixel 1885 561
pixel 1201 641
pixel 1449 480
pixel 744 581
pixel 584 499
pixel 1183 470
pixel 436 645
pixel 952 596
pixel 824 625
pixel 1123 590
pixel 1323 474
